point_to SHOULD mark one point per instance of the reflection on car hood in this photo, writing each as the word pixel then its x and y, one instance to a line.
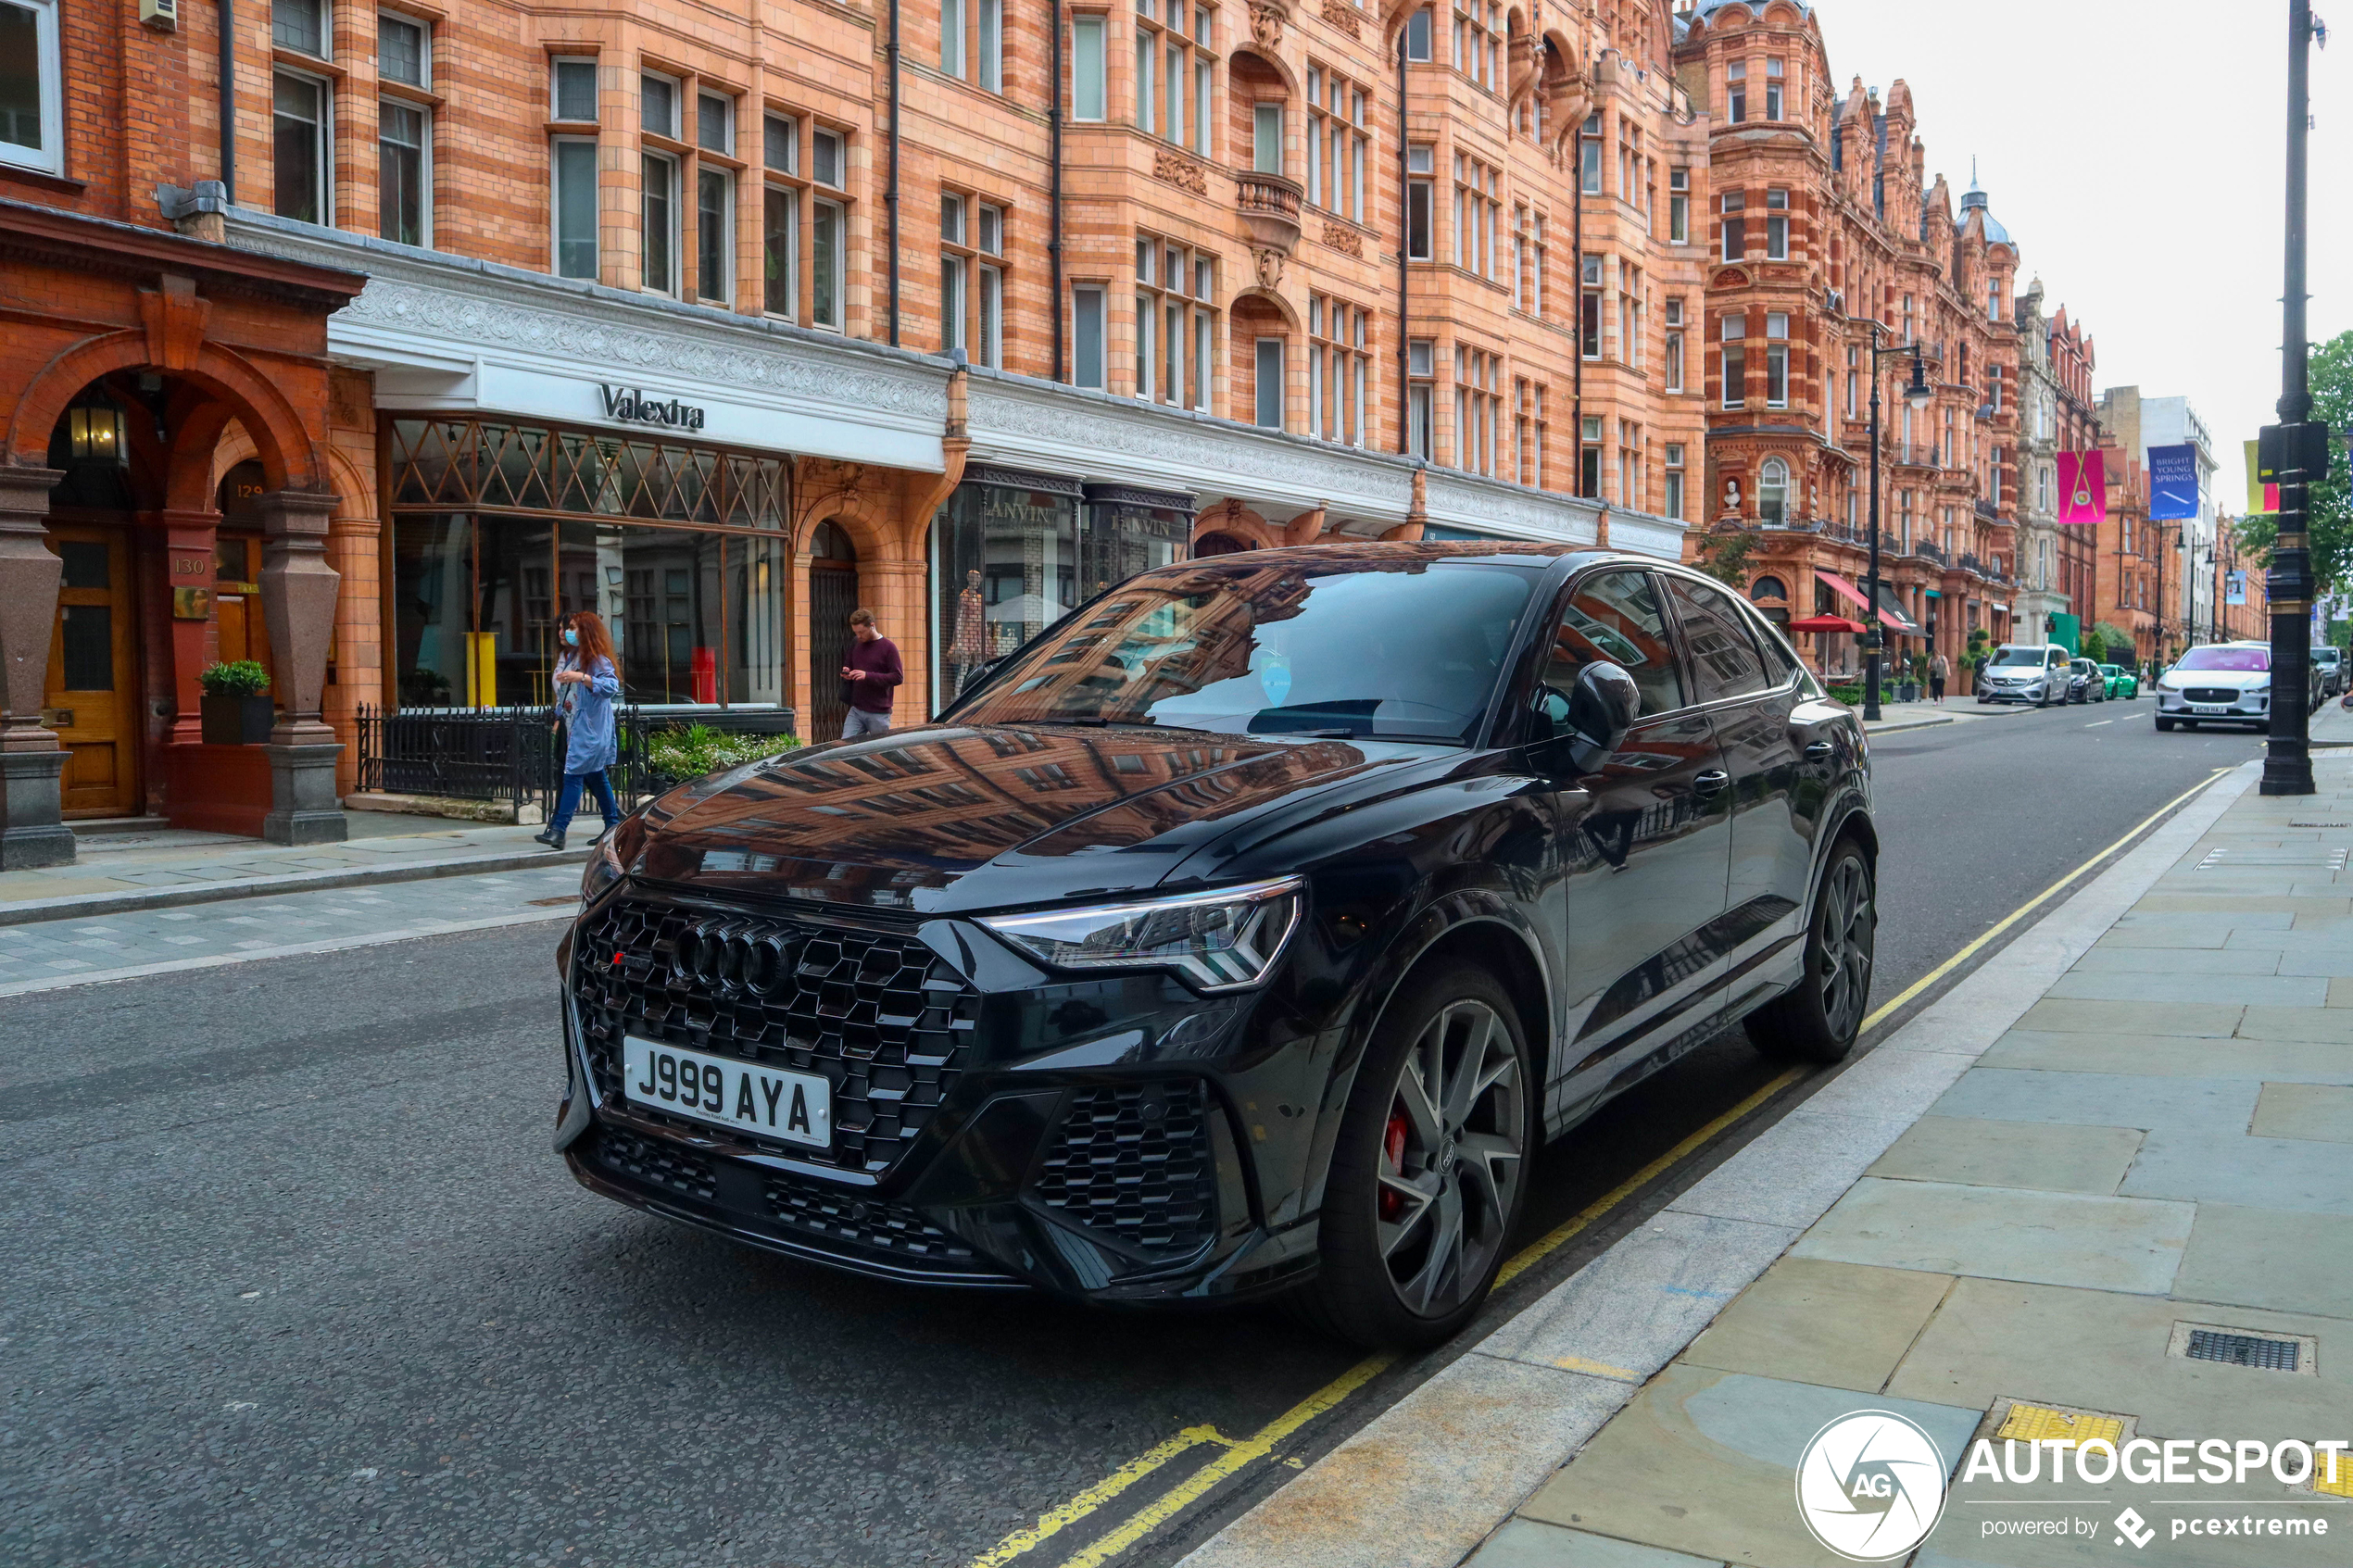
pixel 1001 815
pixel 2236 680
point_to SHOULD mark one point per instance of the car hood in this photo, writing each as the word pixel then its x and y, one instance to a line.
pixel 950 818
pixel 2228 680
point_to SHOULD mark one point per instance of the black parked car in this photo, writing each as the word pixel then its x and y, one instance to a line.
pixel 1241 934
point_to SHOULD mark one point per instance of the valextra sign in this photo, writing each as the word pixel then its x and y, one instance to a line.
pixel 637 407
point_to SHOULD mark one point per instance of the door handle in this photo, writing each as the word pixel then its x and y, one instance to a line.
pixel 1818 750
pixel 1711 781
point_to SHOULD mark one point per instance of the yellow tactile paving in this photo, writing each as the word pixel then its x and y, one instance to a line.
pixel 2036 1423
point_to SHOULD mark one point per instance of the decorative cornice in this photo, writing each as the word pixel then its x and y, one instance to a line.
pixel 457 309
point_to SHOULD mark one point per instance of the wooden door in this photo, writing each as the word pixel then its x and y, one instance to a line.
pixel 93 698
pixel 236 598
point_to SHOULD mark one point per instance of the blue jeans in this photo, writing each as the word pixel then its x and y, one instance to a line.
pixel 568 801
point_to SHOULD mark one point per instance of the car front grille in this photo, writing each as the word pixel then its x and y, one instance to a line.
pixel 2212 694
pixel 1134 1161
pixel 681 1170
pixel 873 1011
pixel 844 1218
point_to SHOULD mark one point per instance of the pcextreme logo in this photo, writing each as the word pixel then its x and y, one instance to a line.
pixel 1870 1485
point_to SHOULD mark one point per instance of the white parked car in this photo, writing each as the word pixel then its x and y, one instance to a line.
pixel 2217 684
pixel 2035 672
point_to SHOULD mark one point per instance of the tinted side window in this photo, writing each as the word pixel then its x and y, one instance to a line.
pixel 1724 661
pixel 1616 617
pixel 1781 662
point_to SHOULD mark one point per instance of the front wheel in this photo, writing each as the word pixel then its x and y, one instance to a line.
pixel 1820 1017
pixel 2164 726
pixel 1429 1172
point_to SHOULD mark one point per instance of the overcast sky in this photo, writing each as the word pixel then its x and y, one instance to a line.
pixel 2137 155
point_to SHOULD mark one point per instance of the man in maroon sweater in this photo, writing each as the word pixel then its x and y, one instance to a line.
pixel 867 680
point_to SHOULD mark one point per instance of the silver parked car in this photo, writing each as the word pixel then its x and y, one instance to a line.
pixel 2035 672
pixel 2217 684
pixel 2328 673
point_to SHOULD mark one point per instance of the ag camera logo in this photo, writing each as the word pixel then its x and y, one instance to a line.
pixel 1870 1485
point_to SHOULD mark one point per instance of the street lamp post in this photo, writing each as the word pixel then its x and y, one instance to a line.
pixel 2295 451
pixel 1918 395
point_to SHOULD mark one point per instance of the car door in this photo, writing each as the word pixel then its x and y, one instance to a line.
pixel 1769 750
pixel 1645 849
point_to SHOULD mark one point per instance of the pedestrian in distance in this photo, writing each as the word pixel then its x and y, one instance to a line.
pixel 587 681
pixel 1937 672
pixel 872 672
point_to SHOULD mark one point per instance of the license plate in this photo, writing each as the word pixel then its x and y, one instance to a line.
pixel 795 1107
pixel 2209 707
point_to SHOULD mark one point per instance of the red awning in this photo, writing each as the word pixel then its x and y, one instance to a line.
pixel 1855 595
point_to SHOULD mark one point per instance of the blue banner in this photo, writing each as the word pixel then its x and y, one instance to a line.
pixel 2172 484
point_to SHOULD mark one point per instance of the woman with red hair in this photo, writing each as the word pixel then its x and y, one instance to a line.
pixel 587 681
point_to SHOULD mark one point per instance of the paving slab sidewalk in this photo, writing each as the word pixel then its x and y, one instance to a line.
pixel 116 874
pixel 2025 1194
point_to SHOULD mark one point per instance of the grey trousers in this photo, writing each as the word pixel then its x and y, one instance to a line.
pixel 860 722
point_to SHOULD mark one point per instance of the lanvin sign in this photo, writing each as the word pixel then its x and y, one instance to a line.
pixel 638 407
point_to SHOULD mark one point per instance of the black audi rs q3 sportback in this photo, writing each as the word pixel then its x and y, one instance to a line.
pixel 1239 935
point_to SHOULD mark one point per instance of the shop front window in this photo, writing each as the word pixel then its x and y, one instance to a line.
pixel 1004 567
pixel 695 611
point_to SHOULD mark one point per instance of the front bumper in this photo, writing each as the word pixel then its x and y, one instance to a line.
pixel 2038 691
pixel 2242 707
pixel 993 1126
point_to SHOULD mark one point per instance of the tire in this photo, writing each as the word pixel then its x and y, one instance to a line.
pixel 2164 726
pixel 1409 1167
pixel 1819 1019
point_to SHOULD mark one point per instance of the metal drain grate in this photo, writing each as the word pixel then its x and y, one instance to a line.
pixel 2243 1350
pixel 2320 824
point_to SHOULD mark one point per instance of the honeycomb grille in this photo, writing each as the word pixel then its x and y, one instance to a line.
pixel 2212 694
pixel 680 1170
pixel 873 1012
pixel 1134 1161
pixel 867 1223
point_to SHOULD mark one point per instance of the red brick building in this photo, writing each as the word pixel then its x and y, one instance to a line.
pixel 131 352
pixel 724 320
pixel 1829 235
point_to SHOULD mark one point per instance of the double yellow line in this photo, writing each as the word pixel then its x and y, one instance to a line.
pixel 1239 1452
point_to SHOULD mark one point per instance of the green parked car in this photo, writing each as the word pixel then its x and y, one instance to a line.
pixel 2120 681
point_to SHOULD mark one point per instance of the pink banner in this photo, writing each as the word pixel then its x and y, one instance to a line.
pixel 2083 477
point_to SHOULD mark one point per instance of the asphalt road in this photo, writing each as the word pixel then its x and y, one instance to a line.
pixel 294 1279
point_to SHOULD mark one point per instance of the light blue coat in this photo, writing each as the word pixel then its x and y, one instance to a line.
pixel 590 744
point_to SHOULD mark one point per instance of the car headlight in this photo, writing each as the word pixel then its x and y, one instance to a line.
pixel 1220 941
pixel 608 862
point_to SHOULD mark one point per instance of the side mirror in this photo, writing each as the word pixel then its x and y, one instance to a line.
pixel 1595 713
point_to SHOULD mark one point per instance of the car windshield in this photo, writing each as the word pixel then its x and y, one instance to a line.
pixel 2240 660
pixel 2006 656
pixel 1399 647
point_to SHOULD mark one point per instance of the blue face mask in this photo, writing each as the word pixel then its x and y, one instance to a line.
pixel 572 638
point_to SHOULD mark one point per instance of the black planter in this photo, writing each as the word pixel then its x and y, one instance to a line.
pixel 1907 691
pixel 237 721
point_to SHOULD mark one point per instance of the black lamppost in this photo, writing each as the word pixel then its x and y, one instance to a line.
pixel 1919 395
pixel 2295 452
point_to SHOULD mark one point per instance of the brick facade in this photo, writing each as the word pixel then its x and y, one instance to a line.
pixel 1833 225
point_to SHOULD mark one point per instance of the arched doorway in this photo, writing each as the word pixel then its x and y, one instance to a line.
pixel 92 698
pixel 1220 544
pixel 833 594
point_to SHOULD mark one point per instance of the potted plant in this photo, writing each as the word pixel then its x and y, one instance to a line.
pixel 1907 689
pixel 236 706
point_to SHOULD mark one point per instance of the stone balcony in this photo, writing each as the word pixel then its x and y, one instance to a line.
pixel 1269 206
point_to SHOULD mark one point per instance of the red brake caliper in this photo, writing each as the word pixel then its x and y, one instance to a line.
pixel 1393 1150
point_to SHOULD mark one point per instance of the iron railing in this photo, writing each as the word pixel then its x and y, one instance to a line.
pixel 516 753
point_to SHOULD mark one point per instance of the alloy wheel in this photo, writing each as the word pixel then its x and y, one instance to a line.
pixel 1849 935
pixel 1452 1155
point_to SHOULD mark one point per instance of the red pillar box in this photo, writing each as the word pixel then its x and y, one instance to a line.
pixel 705 675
